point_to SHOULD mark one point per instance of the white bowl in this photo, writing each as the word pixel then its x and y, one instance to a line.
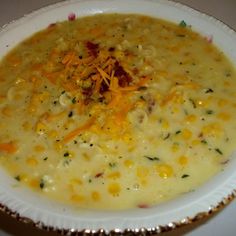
pixel 27 206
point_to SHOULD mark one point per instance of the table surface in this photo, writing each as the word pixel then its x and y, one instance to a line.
pixel 221 223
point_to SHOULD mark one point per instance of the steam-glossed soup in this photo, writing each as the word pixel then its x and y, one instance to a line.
pixel 116 111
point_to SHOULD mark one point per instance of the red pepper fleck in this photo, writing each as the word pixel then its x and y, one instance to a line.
pixel 71 17
pixel 99 175
pixel 143 205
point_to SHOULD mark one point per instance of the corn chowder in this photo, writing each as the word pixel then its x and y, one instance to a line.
pixel 116 111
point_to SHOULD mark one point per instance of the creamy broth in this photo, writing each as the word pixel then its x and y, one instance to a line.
pixel 116 111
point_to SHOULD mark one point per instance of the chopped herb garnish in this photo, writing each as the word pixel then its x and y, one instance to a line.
pixel 142 88
pixel 90 180
pixel 63 92
pixel 204 141
pixel 66 154
pixel 209 112
pixel 184 176
pixel 45 158
pixel 112 164
pixel 193 103
pixel 167 136
pixel 42 183
pixel 209 90
pixel 152 158
pixel 182 24
pixel 219 151
pixel 70 114
pixel 180 35
pixel 142 98
pixel 178 132
pixel 66 162
pixel 18 178
pixel 73 100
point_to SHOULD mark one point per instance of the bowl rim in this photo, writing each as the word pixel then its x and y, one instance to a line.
pixel 157 229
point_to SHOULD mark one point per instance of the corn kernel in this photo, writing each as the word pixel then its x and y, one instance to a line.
pixel 34 183
pixel 224 116
pixel 175 148
pixel 77 198
pixel 32 161
pixel 76 181
pixel 175 110
pixel 128 163
pixel 186 134
pixel 40 128
pixel 114 175
pixel 165 171
pixel 95 196
pixel 191 118
pixel 127 138
pixel 142 172
pixel 195 142
pixel 227 83
pixel 165 124
pixel 86 156
pixel 39 148
pixel 53 134
pixel 212 129
pixel 183 160
pixel 58 146
pixel 202 103
pixel 222 102
pixel 7 111
pixel 24 178
pixel 114 189
pixel 140 104
pixel 119 54
pixel 26 126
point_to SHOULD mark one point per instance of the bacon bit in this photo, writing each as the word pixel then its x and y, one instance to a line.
pixel 93 48
pixel 99 175
pixel 71 17
pixel 151 103
pixel 88 91
pixel 111 49
pixel 104 87
pixel 123 76
pixel 8 147
pixel 143 206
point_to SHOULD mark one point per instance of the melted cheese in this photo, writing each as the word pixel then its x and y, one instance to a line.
pixel 116 111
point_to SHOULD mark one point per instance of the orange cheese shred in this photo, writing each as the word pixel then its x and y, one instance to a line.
pixel 77 131
pixel 8 147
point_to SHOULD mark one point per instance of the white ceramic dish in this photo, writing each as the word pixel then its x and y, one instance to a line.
pixel 28 206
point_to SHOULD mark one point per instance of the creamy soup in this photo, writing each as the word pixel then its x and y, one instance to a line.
pixel 116 111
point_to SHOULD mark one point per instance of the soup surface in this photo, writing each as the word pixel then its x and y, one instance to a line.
pixel 116 111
